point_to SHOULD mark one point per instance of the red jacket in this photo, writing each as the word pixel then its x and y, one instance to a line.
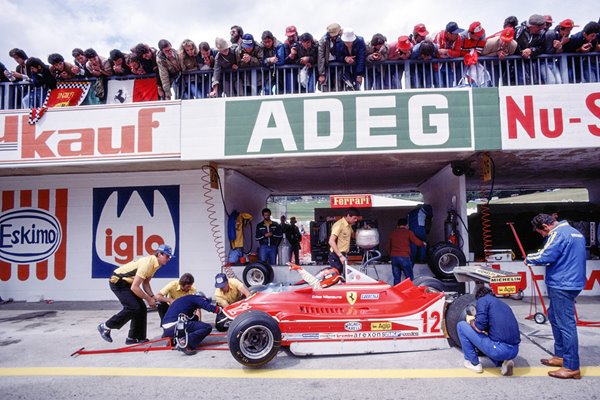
pixel 399 242
pixel 453 48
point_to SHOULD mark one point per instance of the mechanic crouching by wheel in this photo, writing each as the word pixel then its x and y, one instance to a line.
pixel 494 331
pixel 181 322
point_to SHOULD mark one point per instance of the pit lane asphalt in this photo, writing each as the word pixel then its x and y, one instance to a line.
pixel 37 340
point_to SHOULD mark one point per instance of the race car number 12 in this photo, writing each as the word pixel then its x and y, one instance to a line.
pixel 435 326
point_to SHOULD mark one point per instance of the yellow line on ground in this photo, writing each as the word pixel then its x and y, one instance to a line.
pixel 281 374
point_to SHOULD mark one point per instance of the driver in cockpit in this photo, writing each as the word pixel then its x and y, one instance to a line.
pixel 326 277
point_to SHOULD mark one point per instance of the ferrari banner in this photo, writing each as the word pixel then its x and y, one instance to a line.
pixel 67 94
pixel 132 91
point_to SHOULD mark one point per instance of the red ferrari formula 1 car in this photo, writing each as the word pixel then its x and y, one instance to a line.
pixel 361 315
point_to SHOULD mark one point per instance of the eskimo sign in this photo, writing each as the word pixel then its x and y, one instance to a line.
pixel 399 121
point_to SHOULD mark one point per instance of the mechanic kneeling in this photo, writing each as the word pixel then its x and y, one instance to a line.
pixel 192 331
pixel 494 330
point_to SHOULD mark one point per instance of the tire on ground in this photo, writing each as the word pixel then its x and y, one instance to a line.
pixel 456 312
pixel 254 338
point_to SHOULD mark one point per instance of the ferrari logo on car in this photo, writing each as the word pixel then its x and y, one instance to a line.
pixel 351 297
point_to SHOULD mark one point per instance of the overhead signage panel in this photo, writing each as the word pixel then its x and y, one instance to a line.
pixel 550 116
pixel 349 123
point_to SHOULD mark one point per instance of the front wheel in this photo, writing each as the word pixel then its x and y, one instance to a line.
pixel 456 312
pixel 254 338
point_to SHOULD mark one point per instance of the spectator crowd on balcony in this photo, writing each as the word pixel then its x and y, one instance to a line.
pixel 337 60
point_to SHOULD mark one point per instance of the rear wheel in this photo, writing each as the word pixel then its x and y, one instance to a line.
pixel 456 312
pixel 257 273
pixel 430 282
pixel 254 338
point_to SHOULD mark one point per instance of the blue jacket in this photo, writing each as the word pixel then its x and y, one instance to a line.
pixel 187 305
pixel 564 255
pixel 497 319
pixel 359 49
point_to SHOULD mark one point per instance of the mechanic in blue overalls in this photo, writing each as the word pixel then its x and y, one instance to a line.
pixel 268 234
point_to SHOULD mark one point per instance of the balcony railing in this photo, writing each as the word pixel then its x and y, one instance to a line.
pixel 409 74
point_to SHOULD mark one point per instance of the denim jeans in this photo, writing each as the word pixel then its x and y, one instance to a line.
pixel 268 254
pixel 471 340
pixel 399 265
pixel 561 314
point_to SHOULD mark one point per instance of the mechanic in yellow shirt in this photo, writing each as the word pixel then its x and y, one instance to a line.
pixel 131 284
pixel 229 290
pixel 174 290
pixel 339 240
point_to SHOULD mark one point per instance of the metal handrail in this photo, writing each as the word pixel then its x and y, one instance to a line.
pixel 386 75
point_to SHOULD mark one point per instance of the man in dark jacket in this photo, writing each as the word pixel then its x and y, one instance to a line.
pixel 268 234
pixel 530 43
pixel 493 330
pixel 195 331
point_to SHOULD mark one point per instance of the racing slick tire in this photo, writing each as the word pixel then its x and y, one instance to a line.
pixel 430 282
pixel 456 312
pixel 257 273
pixel 444 259
pixel 254 338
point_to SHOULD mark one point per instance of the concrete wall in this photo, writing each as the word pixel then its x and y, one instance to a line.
pixel 194 242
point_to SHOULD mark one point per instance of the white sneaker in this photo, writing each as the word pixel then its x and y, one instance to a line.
pixel 475 368
pixel 507 367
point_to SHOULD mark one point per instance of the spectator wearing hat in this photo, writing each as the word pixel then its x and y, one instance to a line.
pixel 549 22
pixel 291 46
pixel 449 44
pixel 555 39
pixel 131 284
pixel 419 34
pixel 509 22
pixel 307 55
pixel 530 40
pixel 248 55
pixel 273 57
pixel 169 66
pixel 500 46
pixel 424 73
pixel 585 69
pixel 352 51
pixel 377 73
pixel 473 39
pixel 174 290
pixel 225 65
pixel 328 53
pixel 399 50
pixel 229 290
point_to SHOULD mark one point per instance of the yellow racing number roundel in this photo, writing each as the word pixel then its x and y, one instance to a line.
pixel 351 297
